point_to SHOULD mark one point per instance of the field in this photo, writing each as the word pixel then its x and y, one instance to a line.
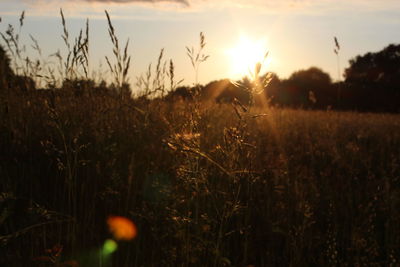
pixel 205 185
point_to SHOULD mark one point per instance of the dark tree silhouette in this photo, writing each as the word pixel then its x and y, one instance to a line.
pixel 8 80
pixel 373 80
pixel 271 90
pixel 382 68
pixel 296 90
pixel 5 71
pixel 180 93
pixel 224 90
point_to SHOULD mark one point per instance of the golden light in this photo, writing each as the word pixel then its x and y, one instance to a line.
pixel 245 55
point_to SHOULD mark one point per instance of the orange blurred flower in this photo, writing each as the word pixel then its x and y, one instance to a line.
pixel 122 228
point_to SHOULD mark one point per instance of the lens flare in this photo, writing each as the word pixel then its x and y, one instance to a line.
pixel 109 247
pixel 122 228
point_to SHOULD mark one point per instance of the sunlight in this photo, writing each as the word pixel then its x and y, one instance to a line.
pixel 245 55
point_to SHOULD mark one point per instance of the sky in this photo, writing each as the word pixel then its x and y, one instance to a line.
pixel 297 34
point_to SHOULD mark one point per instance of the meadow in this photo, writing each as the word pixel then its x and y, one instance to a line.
pixel 206 184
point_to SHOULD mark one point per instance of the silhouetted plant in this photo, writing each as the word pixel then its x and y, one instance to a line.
pixel 197 57
pixel 120 68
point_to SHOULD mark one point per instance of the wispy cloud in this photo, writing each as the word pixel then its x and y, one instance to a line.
pixel 299 5
pixel 182 2
pixel 120 7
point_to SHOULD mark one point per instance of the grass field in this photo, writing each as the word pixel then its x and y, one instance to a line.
pixel 205 185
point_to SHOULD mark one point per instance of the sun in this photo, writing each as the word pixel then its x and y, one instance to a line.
pixel 245 55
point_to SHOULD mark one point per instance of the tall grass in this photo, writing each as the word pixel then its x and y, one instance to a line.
pixel 206 185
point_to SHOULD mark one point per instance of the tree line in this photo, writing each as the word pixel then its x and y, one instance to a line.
pixel 371 83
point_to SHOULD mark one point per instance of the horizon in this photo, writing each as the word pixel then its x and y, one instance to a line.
pixel 297 34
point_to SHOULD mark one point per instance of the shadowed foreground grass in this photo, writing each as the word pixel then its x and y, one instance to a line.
pixel 205 185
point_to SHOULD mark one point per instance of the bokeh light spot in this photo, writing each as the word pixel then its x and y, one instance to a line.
pixel 109 247
pixel 122 228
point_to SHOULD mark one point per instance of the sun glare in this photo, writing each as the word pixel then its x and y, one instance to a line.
pixel 245 55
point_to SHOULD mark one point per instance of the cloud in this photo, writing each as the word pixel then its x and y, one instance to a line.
pixel 129 8
pixel 182 2
pixel 299 5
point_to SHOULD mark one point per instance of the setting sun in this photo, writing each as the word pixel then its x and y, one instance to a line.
pixel 245 55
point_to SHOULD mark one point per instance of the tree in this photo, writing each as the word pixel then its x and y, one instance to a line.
pixel 373 80
pixel 382 67
pixel 296 90
pixel 8 79
pixel 225 91
pixel 5 70
pixel 180 93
